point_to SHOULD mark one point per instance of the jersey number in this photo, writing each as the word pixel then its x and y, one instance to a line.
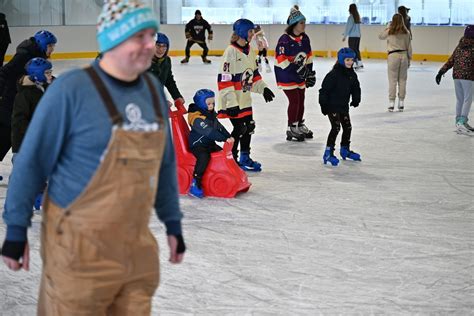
pixel 226 67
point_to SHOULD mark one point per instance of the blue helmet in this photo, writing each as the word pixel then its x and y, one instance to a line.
pixel 201 96
pixel 36 67
pixel 242 27
pixel 163 39
pixel 43 38
pixel 344 53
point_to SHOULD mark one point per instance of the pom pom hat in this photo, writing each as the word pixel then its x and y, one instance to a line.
pixel 120 20
pixel 295 15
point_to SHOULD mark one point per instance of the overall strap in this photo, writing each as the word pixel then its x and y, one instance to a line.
pixel 106 97
pixel 156 99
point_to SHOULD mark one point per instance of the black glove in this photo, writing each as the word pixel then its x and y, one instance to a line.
pixel 311 79
pixel 323 110
pixel 303 72
pixel 268 95
pixel 438 77
pixel 354 104
pixel 13 249
pixel 181 246
pixel 233 111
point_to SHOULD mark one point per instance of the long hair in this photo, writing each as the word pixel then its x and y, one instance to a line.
pixel 355 14
pixel 397 26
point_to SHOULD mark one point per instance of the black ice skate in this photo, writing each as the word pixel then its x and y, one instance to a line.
pixel 205 60
pixel 293 131
pixel 305 130
pixel 185 60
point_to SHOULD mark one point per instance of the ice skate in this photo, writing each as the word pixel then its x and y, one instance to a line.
pixel 268 69
pixel 401 105
pixel 346 153
pixel 329 156
pixel 293 131
pixel 247 164
pixel 259 64
pixel 185 60
pixel 461 129
pixel 205 60
pixel 195 191
pixel 391 105
pixel 305 130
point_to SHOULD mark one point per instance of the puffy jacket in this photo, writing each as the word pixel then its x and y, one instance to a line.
pixel 14 69
pixel 25 104
pixel 462 60
pixel 205 128
pixel 339 85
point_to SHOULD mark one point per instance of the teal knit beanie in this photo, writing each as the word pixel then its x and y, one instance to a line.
pixel 295 15
pixel 120 20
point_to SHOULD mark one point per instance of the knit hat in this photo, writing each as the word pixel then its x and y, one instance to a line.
pixel 197 12
pixel 469 31
pixel 120 20
pixel 295 15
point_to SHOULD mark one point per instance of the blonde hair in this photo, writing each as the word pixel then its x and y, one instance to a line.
pixel 397 26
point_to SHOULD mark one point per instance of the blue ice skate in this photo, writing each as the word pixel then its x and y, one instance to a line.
pixel 195 191
pixel 347 153
pixel 38 201
pixel 329 156
pixel 247 164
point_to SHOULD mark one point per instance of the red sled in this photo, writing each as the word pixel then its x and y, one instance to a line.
pixel 223 177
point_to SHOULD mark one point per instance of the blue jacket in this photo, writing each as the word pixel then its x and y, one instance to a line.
pixel 66 138
pixel 352 28
pixel 206 129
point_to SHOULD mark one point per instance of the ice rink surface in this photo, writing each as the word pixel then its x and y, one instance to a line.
pixel 393 234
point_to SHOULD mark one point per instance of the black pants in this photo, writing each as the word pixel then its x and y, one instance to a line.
pixel 203 156
pixel 241 134
pixel 5 130
pixel 262 52
pixel 337 120
pixel 191 43
pixel 3 50
pixel 354 43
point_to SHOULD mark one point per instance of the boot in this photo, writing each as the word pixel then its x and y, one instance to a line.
pixel 305 130
pixel 247 164
pixel 294 132
pixel 469 127
pixel 38 201
pixel 196 189
pixel 401 105
pixel 205 60
pixel 347 153
pixel 461 127
pixel 329 156
pixel 185 60
pixel 391 105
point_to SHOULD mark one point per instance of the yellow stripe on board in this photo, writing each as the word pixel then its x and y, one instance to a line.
pixel 316 53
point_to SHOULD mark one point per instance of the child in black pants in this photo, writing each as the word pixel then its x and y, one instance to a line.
pixel 339 85
pixel 205 131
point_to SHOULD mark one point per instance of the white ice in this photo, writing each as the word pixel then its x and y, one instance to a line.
pixel 393 234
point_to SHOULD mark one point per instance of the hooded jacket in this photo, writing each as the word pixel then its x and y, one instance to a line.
pixel 462 60
pixel 206 129
pixel 339 85
pixel 26 100
pixel 161 68
pixel 196 30
pixel 14 69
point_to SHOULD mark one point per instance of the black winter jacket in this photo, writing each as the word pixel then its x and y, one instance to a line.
pixel 161 68
pixel 25 104
pixel 205 128
pixel 339 85
pixel 5 38
pixel 196 30
pixel 14 69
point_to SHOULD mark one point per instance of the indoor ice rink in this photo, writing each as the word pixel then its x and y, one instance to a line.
pixel 390 235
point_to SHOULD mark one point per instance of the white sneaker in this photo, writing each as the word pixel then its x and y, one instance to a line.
pixel 469 127
pixel 391 105
pixel 463 130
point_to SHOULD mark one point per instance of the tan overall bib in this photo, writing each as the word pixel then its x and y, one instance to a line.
pixel 99 255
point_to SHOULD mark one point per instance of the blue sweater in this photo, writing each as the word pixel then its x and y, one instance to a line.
pixel 352 28
pixel 67 136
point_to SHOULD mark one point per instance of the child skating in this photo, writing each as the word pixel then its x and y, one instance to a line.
pixel 262 45
pixel 338 88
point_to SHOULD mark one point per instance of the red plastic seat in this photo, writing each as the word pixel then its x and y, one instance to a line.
pixel 223 177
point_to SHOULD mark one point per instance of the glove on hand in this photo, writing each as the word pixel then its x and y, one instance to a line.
pixel 233 111
pixel 354 104
pixel 438 77
pixel 13 249
pixel 303 72
pixel 181 248
pixel 311 79
pixel 268 95
pixel 323 110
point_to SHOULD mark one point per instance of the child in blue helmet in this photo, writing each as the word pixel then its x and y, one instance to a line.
pixel 206 130
pixel 161 67
pixel 31 88
pixel 338 88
